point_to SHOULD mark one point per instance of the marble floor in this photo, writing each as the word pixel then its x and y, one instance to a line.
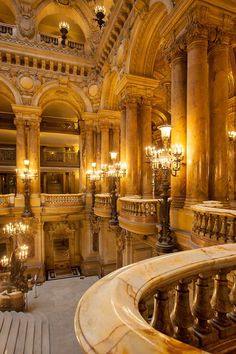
pixel 57 299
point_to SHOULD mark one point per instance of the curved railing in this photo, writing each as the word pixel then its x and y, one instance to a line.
pixel 102 206
pixel 139 215
pixel 62 200
pixel 108 317
pixel 7 200
pixel 213 225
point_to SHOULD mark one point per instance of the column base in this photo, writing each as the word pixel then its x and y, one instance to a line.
pixel 191 201
pixel 164 248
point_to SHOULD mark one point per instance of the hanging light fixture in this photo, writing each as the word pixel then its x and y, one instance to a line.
pixel 64 29
pixel 100 13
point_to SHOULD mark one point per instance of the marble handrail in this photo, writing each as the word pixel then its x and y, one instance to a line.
pixel 7 200
pixel 102 206
pixel 139 215
pixel 108 319
pixel 213 225
pixel 55 200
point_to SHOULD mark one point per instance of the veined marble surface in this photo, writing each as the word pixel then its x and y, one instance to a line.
pixel 107 318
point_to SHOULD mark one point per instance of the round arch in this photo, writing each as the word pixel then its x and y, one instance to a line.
pixel 10 90
pixel 146 40
pixel 109 100
pixel 76 15
pixel 9 9
pixel 72 94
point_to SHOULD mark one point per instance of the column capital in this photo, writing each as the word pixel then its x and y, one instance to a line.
pixel 136 86
pixel 26 112
pixel 218 39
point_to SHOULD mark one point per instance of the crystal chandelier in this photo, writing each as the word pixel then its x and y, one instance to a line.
pixel 100 13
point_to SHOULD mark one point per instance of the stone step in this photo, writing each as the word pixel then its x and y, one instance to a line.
pixel 24 333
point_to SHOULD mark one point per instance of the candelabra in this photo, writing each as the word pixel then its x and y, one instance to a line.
pixel 27 175
pixel 115 172
pixel 100 13
pixel 64 29
pixel 14 267
pixel 93 176
pixel 168 161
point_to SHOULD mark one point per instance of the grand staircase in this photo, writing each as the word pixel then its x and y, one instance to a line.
pixel 24 333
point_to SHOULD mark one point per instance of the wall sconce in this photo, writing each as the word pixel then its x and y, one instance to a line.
pixel 232 135
pixel 100 13
pixel 64 29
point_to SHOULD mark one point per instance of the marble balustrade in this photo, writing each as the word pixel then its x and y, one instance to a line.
pixel 213 225
pixel 102 206
pixel 61 200
pixel 7 200
pixel 139 215
pixel 193 305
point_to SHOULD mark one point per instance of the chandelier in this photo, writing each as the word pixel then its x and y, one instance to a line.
pixel 100 13
pixel 64 29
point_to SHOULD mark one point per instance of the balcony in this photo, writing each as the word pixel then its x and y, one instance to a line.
pixel 60 159
pixel 7 201
pixel 102 205
pixel 6 29
pixel 139 215
pixel 213 225
pixel 52 203
pixel 191 285
pixel 56 41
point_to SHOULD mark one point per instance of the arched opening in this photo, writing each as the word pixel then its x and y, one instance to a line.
pixel 60 152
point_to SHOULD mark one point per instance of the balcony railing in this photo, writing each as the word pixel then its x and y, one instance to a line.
pixel 110 317
pixel 139 215
pixel 7 156
pixel 7 201
pixel 102 205
pixel 213 225
pixel 60 158
pixel 56 40
pixel 62 200
pixel 7 29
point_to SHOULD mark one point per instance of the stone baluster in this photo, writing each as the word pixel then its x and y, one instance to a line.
pixel 223 229
pixel 216 227
pixel 221 304
pixel 202 311
pixel 161 314
pixel 232 297
pixel 182 318
pixel 231 232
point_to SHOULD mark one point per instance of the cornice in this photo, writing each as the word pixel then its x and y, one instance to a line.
pixel 109 114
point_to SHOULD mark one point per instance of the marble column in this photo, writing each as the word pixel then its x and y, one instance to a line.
pixel 34 154
pixel 123 146
pixel 20 151
pixel 146 140
pixel 104 154
pixel 133 172
pixel 116 140
pixel 179 122
pixel 197 119
pixel 83 163
pixel 128 254
pixel 89 148
pixel 218 88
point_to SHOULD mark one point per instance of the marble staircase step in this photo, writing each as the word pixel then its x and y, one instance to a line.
pixel 24 333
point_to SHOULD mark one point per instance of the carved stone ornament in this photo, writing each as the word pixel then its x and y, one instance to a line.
pixel 64 2
pixel 26 25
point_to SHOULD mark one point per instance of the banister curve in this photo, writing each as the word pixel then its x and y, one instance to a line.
pixel 107 318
